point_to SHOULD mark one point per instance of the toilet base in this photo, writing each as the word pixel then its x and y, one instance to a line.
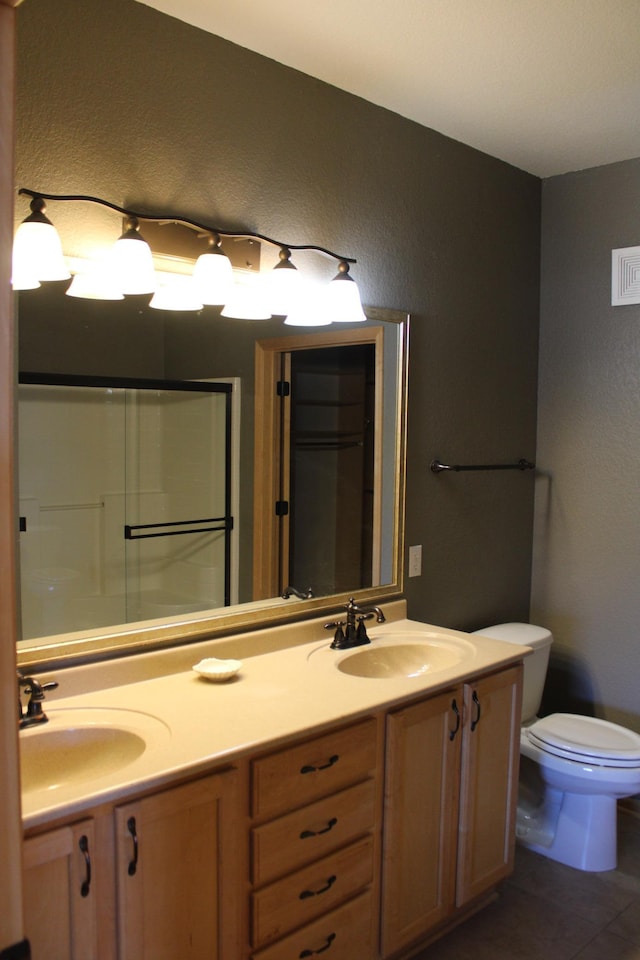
pixel 579 830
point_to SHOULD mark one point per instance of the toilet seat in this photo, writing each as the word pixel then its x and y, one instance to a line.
pixel 586 740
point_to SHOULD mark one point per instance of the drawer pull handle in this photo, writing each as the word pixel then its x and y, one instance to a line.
pixel 133 864
pixel 314 953
pixel 316 893
pixel 476 720
pixel 452 733
pixel 85 886
pixel 325 766
pixel 316 833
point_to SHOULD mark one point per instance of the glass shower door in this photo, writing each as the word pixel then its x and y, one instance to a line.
pixel 177 514
pixel 125 494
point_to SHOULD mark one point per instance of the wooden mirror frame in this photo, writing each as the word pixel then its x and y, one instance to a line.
pixel 62 650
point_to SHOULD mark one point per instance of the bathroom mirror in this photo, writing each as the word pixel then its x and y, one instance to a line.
pixel 61 337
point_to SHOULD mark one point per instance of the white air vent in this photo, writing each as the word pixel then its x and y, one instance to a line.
pixel 625 276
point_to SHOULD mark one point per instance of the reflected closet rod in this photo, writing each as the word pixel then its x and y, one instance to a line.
pixel 438 467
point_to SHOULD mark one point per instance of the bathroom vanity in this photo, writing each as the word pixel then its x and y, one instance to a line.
pixel 313 804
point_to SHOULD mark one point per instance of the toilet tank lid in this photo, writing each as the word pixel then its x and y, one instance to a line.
pixel 524 634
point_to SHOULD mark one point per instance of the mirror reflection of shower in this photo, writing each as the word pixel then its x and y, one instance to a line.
pixel 140 525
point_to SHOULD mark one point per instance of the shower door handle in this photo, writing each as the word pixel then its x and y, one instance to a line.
pixel 159 529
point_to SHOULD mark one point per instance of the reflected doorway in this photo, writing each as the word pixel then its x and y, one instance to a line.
pixel 330 449
pixel 318 461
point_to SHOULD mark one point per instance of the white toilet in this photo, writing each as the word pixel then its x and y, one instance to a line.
pixel 573 768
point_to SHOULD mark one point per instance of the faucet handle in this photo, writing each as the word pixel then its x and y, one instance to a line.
pixel 36 690
pixel 339 640
pixel 361 632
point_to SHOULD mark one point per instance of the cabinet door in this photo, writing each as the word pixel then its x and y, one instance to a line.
pixel 175 866
pixel 489 789
pixel 59 896
pixel 421 815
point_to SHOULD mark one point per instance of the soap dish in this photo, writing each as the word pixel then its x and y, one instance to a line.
pixel 214 669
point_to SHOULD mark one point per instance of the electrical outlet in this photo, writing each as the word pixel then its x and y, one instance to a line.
pixel 415 561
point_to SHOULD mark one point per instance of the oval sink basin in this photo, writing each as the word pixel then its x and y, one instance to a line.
pixel 404 657
pixel 80 745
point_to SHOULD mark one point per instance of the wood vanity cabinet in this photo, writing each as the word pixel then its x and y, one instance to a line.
pixel 489 782
pixel 450 800
pixel 59 893
pixel 170 891
pixel 175 856
pixel 315 836
pixel 363 842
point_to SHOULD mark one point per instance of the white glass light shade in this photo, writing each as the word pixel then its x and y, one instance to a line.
pixel 284 287
pixel 95 282
pixel 246 301
pixel 132 266
pixel 213 278
pixel 37 255
pixel 309 310
pixel 23 281
pixel 176 294
pixel 342 301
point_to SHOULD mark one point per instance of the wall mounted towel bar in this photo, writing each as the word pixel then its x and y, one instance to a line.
pixel 438 467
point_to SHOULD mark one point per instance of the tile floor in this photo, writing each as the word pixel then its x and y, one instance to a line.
pixel 547 911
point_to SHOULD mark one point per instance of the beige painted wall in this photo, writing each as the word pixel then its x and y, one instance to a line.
pixel 586 568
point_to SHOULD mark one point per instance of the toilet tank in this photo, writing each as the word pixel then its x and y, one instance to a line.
pixel 535 665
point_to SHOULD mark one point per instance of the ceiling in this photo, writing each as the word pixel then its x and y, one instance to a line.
pixel 549 86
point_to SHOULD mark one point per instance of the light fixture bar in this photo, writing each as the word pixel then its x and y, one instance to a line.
pixel 207 228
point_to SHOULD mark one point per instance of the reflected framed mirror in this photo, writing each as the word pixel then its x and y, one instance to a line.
pixel 308 491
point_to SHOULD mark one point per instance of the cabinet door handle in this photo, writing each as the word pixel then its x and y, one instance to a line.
pixel 452 733
pixel 316 893
pixel 133 864
pixel 85 886
pixel 316 833
pixel 476 719
pixel 314 953
pixel 325 766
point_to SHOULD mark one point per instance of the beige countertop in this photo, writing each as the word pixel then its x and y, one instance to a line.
pixel 192 724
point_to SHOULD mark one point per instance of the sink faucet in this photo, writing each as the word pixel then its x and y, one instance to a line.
pixel 354 633
pixel 291 591
pixel 34 713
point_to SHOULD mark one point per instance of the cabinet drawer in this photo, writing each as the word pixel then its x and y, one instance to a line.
pixel 314 831
pixel 313 769
pixel 310 892
pixel 342 934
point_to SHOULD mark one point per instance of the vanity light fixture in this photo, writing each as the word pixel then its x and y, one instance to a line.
pixel 132 260
pixel 309 310
pixel 130 264
pixel 245 301
pixel 95 282
pixel 213 274
pixel 285 285
pixel 180 295
pixel 343 298
pixel 37 251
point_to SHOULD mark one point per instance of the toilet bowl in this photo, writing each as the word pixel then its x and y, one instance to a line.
pixel 573 769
